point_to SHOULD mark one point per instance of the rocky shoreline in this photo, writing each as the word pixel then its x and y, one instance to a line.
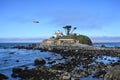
pixel 79 63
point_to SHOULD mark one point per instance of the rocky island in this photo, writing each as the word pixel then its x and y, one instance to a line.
pixel 68 39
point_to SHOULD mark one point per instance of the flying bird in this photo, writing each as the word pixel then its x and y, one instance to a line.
pixel 36 22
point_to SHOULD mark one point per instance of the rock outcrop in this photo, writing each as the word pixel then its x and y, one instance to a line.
pixel 113 73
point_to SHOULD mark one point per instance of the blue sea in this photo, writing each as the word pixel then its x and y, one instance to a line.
pixel 108 44
pixel 11 57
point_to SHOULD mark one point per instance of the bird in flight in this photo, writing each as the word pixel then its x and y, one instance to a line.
pixel 36 22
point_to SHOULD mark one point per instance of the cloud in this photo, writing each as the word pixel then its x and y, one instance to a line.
pixel 82 20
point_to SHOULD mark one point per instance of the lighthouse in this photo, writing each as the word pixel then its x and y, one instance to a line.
pixel 58 34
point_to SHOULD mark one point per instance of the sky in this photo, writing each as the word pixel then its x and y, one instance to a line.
pixel 94 18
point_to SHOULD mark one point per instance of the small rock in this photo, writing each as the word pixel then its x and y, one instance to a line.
pixel 11 52
pixel 99 73
pixel 51 62
pixel 17 61
pixel 66 76
pixel 39 61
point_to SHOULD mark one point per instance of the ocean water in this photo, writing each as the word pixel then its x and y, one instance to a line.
pixel 11 57
pixel 108 44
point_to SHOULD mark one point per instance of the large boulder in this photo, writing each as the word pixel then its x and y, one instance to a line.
pixel 39 61
pixel 113 73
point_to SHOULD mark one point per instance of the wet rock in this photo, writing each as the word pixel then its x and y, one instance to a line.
pixel 31 46
pixel 39 61
pixel 59 66
pixel 17 61
pixel 99 74
pixel 3 77
pixel 16 69
pixel 19 47
pixel 11 52
pixel 84 74
pixel 14 75
pixel 48 58
pixel 66 76
pixel 113 73
pixel 51 62
pixel 42 73
pixel 66 67
pixel 75 78
pixel 80 73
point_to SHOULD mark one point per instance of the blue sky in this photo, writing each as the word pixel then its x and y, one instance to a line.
pixel 94 18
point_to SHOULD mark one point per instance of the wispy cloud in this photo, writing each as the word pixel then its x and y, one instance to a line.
pixel 81 19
